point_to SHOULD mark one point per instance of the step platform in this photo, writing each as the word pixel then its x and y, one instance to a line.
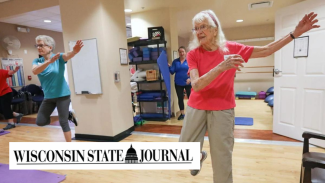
pixel 245 95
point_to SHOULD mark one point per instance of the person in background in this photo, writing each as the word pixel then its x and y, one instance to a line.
pixel 6 98
pixel 182 80
pixel 50 71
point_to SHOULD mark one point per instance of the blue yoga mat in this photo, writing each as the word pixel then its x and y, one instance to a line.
pixel 164 69
pixel 244 121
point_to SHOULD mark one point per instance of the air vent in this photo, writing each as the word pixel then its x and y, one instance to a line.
pixel 264 4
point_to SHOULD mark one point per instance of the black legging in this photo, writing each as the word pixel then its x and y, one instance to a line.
pixel 5 105
pixel 180 94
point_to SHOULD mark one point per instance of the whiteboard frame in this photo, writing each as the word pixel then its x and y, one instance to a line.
pixel 100 79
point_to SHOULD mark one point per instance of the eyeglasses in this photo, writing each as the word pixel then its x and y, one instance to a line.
pixel 202 28
pixel 40 45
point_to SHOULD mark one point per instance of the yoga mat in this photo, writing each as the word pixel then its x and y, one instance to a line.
pixel 164 69
pixel 243 121
pixel 27 176
pixel 2 132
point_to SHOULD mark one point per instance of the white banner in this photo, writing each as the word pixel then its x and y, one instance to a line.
pixel 104 155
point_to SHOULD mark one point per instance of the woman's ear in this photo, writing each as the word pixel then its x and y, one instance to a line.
pixel 215 33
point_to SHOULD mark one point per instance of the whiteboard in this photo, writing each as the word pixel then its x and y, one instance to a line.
pixel 85 68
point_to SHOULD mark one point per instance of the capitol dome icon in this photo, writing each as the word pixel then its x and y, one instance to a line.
pixel 131 156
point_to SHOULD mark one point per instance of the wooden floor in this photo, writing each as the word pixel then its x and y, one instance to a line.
pixel 256 109
pixel 238 133
pixel 252 163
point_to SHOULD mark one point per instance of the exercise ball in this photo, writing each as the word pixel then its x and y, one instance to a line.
pixel 269 98
pixel 270 90
pixel 270 103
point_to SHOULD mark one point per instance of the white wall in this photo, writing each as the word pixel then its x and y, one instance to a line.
pixel 183 42
pixel 110 113
pixel 255 81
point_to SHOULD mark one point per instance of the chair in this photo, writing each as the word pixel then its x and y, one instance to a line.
pixel 20 100
pixel 29 102
pixel 313 163
pixel 35 94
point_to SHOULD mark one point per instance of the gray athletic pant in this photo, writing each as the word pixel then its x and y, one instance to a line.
pixel 48 106
pixel 220 126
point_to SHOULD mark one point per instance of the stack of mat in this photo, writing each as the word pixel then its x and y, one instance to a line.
pixel 244 94
pixel 154 53
pixel 146 53
pixel 135 54
pixel 150 96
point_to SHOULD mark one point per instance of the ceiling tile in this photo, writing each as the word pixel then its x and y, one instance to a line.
pixel 41 13
pixel 44 23
pixel 32 24
pixel 56 17
pixel 54 9
pixel 27 16
pixel 51 27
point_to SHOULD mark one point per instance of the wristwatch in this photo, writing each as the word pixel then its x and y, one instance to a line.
pixel 291 34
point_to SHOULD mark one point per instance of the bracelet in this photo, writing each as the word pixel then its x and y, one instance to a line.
pixel 293 37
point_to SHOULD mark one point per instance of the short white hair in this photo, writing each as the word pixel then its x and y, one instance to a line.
pixel 210 16
pixel 47 40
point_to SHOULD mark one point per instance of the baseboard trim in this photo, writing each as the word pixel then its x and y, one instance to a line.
pixel 100 138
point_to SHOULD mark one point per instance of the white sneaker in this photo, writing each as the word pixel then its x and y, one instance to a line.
pixel 204 156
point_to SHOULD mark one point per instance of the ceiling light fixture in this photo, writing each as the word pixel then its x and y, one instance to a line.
pixel 128 24
pixel 127 10
pixel 239 20
pixel 47 21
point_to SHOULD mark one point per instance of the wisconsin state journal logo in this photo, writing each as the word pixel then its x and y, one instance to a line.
pixel 104 155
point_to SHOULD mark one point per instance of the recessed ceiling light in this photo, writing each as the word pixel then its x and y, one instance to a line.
pixel 127 10
pixel 128 24
pixel 47 21
pixel 239 20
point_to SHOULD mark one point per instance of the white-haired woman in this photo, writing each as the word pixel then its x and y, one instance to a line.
pixel 50 71
pixel 212 101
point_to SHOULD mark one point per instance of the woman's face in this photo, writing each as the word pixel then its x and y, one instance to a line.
pixel 42 48
pixel 205 33
pixel 181 53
